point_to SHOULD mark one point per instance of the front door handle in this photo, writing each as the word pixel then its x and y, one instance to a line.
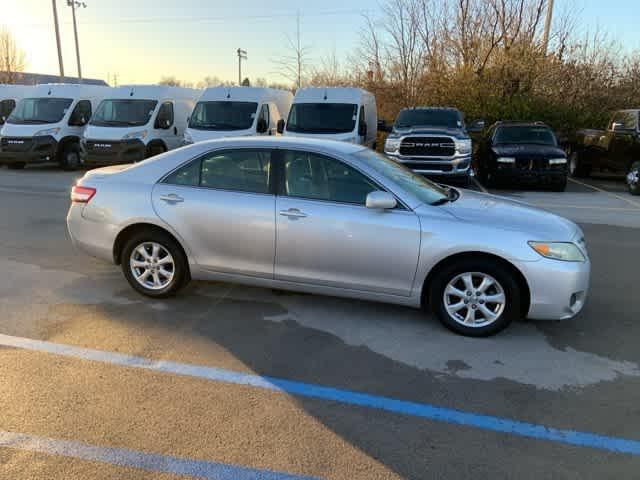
pixel 293 213
pixel 172 198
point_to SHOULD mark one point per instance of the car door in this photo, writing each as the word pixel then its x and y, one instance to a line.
pixel 165 126
pixel 222 206
pixel 622 143
pixel 327 236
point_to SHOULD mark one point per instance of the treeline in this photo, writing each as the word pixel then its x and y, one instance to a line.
pixel 488 58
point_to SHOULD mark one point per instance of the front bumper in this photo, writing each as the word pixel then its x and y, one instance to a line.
pixel 456 166
pixel 558 289
pixel 28 149
pixel 108 152
pixel 548 175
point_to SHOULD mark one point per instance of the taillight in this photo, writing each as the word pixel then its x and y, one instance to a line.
pixel 82 194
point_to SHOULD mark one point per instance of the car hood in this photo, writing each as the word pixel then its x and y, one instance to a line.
pixel 529 149
pixel 486 209
pixel 428 130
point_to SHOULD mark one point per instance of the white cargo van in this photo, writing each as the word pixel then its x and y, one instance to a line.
pixel 47 125
pixel 9 96
pixel 343 114
pixel 237 112
pixel 135 122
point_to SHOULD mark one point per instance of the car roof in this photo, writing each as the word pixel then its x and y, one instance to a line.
pixel 517 123
pixel 283 142
pixel 445 109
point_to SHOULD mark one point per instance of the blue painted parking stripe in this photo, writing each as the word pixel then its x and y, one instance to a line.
pixel 431 412
pixel 134 459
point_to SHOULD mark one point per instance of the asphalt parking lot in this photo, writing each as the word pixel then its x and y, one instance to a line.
pixel 232 382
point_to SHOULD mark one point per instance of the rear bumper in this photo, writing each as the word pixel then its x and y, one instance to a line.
pixel 106 152
pixel 558 289
pixel 93 238
pixel 28 149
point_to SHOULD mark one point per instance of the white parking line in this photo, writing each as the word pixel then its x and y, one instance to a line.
pixel 598 189
pixel 479 185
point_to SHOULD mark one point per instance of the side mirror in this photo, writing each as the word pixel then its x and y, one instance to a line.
pixel 476 126
pixel 381 200
pixel 262 126
pixel 362 129
pixel 383 127
pixel 617 127
pixel 281 126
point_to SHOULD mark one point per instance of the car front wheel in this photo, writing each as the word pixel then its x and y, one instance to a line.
pixel 633 179
pixel 154 264
pixel 476 298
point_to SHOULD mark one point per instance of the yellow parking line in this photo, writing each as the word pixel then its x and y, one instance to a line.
pixel 597 189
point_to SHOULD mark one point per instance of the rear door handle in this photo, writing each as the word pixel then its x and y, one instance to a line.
pixel 293 213
pixel 171 198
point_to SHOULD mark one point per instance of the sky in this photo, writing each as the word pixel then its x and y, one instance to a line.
pixel 144 40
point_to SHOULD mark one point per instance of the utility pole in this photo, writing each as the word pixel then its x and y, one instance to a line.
pixel 547 26
pixel 55 22
pixel 242 55
pixel 73 4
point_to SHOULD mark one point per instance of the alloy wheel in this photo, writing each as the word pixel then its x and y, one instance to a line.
pixel 474 299
pixel 152 265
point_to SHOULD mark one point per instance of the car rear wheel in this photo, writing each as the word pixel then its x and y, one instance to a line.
pixel 476 298
pixel 633 179
pixel 154 264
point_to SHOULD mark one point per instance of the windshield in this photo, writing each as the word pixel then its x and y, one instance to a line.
pixel 223 115
pixel 421 188
pixel 123 113
pixel 6 107
pixel 322 118
pixel 426 117
pixel 524 134
pixel 40 110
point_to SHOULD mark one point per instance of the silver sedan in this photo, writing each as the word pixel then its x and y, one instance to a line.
pixel 329 218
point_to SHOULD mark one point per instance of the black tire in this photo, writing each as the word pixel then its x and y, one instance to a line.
pixel 577 167
pixel 181 275
pixel 558 186
pixel 633 179
pixel 70 157
pixel 154 149
pixel 505 278
pixel 16 165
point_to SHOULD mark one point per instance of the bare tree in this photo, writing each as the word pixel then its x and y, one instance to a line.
pixel 294 65
pixel 174 82
pixel 12 58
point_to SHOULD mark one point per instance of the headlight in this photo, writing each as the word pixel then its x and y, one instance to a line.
pixel 188 139
pixel 557 161
pixel 463 146
pixel 565 251
pixel 48 131
pixel 506 160
pixel 140 134
pixel 392 145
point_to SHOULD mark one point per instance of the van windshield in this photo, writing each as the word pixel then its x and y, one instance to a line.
pixel 223 115
pixel 6 107
pixel 322 118
pixel 40 110
pixel 123 113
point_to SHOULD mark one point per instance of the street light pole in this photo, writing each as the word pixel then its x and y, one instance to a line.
pixel 547 26
pixel 242 55
pixel 73 4
pixel 55 22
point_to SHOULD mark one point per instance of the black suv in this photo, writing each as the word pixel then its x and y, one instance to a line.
pixel 521 153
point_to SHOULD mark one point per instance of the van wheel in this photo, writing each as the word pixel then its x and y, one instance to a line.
pixel 475 298
pixel 577 167
pixel 633 179
pixel 154 265
pixel 16 165
pixel 71 157
pixel 154 149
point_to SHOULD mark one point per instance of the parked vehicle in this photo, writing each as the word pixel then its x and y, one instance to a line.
pixel 343 114
pixel 136 122
pixel 48 125
pixel 9 97
pixel 237 112
pixel 432 141
pixel 616 149
pixel 349 222
pixel 521 152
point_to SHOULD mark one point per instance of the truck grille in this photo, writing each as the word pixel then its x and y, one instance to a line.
pixel 16 144
pixel 427 147
pixel 535 164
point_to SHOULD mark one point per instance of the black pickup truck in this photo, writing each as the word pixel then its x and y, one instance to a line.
pixel 431 141
pixel 616 149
